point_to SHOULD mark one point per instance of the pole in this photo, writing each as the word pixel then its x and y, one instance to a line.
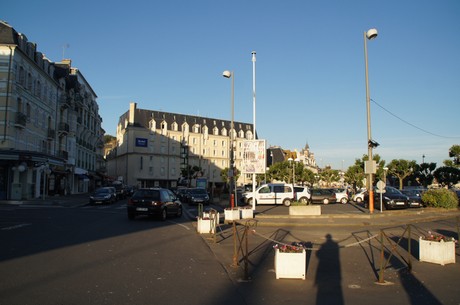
pixel 232 161
pixel 254 118
pixel 369 135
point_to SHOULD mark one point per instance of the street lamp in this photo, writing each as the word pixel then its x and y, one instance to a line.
pixel 228 74
pixel 293 168
pixel 370 168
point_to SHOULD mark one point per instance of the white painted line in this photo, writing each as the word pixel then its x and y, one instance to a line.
pixel 16 226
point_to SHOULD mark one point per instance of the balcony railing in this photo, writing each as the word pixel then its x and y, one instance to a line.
pixel 20 120
pixel 63 128
pixel 51 133
pixel 63 154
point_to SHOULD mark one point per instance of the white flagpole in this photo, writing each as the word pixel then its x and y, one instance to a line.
pixel 254 118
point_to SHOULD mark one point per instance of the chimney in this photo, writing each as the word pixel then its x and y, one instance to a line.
pixel 132 110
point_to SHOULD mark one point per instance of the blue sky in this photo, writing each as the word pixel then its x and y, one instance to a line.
pixel 310 80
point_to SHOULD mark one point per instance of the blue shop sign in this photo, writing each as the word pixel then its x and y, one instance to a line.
pixel 141 142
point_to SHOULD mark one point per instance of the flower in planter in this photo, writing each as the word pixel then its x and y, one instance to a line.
pixel 431 236
pixel 295 247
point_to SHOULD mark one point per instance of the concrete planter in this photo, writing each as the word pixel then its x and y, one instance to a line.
pixel 206 225
pixel 290 265
pixel 247 213
pixel 231 214
pixel 438 252
pixel 303 210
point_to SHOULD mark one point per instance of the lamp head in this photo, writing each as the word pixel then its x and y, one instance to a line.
pixel 227 74
pixel 373 143
pixel 371 34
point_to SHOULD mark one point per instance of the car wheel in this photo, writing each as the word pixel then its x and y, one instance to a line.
pixel 287 202
pixel 250 201
pixel 163 215
pixel 179 212
pixel 359 200
pixel 304 200
pixel 131 216
pixel 325 201
pixel 344 200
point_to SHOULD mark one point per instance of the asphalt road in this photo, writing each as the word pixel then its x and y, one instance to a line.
pixel 78 254
pixel 95 255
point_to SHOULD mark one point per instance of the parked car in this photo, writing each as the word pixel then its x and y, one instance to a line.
pixel 119 187
pixel 271 193
pixel 182 194
pixel 341 195
pixel 359 197
pixel 103 195
pixel 197 195
pixel 324 196
pixel 302 194
pixel 415 198
pixel 154 202
pixel 392 199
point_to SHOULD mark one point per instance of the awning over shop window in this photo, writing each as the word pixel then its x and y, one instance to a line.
pixel 83 177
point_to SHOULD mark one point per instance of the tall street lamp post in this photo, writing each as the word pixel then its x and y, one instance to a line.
pixel 231 172
pixel 370 168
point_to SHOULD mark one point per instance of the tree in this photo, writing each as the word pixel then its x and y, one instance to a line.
pixel 355 176
pixel 329 175
pixel 423 173
pixel 108 138
pixel 454 152
pixel 402 169
pixel 447 175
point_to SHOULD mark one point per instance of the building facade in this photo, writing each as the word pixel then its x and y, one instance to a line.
pixel 51 140
pixel 155 148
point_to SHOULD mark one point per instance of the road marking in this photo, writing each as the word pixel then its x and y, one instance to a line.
pixel 179 224
pixel 16 226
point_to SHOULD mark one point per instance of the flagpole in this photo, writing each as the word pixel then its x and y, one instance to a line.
pixel 254 118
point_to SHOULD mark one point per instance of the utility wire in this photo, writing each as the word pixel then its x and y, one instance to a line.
pixel 426 131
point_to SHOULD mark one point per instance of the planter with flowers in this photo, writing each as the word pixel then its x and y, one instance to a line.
pixel 207 223
pixel 231 214
pixel 290 261
pixel 437 248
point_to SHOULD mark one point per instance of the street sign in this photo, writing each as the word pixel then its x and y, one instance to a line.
pixel 381 187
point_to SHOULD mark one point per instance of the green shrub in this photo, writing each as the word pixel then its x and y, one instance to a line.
pixel 440 198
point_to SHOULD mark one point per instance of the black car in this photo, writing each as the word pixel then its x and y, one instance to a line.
pixel 103 195
pixel 197 195
pixel 324 196
pixel 154 202
pixel 392 199
pixel 415 198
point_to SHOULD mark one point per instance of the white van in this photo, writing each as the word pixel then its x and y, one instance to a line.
pixel 271 193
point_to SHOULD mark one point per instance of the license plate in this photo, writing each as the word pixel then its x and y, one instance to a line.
pixel 142 209
pixel 400 203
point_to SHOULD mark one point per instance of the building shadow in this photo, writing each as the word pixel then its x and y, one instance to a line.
pixel 328 275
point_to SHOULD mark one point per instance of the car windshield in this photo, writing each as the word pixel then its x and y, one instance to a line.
pixel 102 191
pixel 148 194
pixel 198 191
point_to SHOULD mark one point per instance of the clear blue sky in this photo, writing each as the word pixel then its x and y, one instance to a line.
pixel 310 83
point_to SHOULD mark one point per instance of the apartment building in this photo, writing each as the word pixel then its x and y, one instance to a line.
pixel 51 139
pixel 153 147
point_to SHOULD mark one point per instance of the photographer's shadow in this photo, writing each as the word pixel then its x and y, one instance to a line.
pixel 328 275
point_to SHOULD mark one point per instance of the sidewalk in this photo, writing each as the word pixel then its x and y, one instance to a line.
pixel 343 257
pixel 68 200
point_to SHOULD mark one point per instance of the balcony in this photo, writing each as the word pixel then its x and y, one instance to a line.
pixel 51 134
pixel 63 154
pixel 63 128
pixel 64 102
pixel 20 120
